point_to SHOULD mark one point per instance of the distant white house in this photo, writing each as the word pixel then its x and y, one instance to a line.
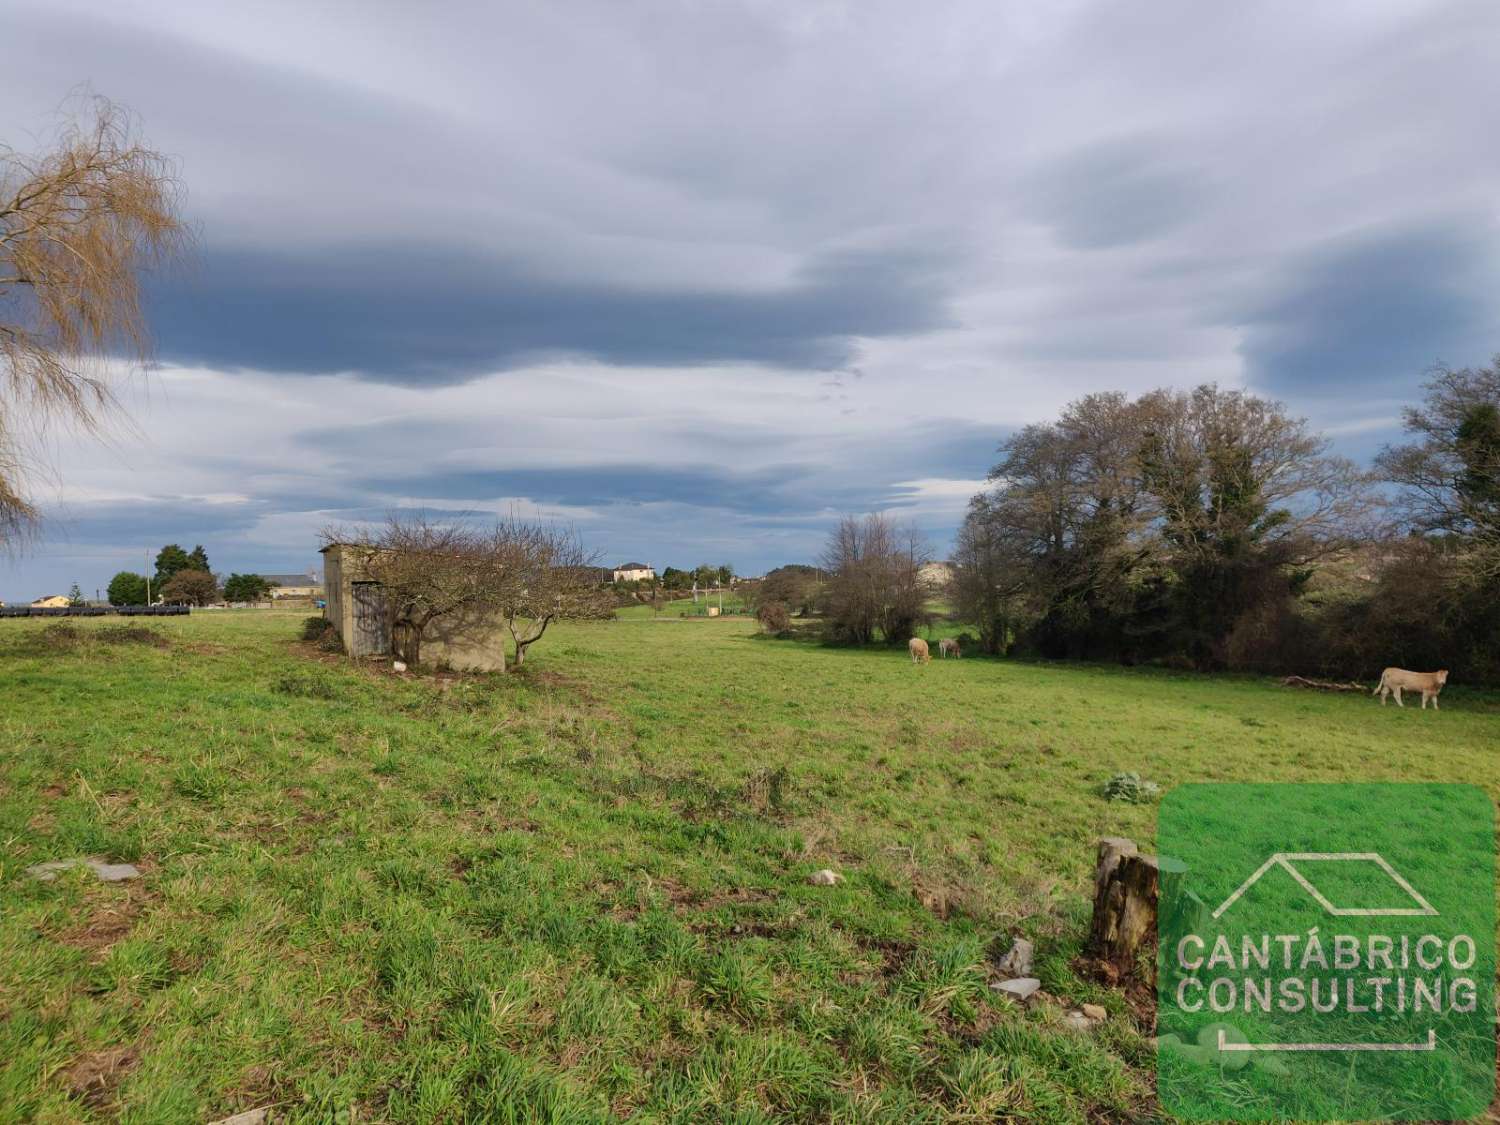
pixel 634 572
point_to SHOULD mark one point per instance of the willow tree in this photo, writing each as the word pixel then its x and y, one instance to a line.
pixel 81 224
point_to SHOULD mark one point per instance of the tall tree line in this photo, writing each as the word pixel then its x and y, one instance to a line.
pixel 1211 529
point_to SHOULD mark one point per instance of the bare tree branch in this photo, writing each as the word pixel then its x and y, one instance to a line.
pixel 83 223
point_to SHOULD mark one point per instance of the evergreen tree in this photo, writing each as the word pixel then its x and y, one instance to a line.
pixel 127 588
pixel 169 560
pixel 245 588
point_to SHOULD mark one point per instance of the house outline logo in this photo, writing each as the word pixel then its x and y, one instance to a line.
pixel 1288 860
pixel 1326 951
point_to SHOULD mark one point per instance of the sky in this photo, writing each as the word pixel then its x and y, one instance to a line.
pixel 698 278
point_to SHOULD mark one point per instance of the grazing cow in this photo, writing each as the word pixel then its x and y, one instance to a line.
pixel 947 645
pixel 918 649
pixel 1394 680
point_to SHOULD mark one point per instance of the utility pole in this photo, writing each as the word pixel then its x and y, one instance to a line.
pixel 148 575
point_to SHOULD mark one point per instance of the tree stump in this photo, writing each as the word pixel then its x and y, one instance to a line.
pixel 1127 887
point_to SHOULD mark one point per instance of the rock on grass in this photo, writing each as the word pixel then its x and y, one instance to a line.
pixel 107 872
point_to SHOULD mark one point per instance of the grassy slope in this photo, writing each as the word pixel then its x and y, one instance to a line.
pixel 581 891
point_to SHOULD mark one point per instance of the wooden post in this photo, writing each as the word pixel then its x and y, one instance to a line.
pixel 1127 887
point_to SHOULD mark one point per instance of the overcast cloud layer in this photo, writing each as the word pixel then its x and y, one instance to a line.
pixel 698 277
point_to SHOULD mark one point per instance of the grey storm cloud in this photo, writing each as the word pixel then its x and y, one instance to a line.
pixel 951 448
pixel 709 272
pixel 1373 309
pixel 420 315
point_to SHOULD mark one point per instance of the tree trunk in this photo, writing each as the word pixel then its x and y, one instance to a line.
pixel 406 643
pixel 523 645
pixel 1127 887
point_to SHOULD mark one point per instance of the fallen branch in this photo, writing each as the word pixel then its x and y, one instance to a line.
pixel 1321 685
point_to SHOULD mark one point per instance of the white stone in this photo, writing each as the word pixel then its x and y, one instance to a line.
pixel 825 878
pixel 1077 1021
pixel 249 1117
pixel 1021 988
pixel 106 872
pixel 1017 962
pixel 397 666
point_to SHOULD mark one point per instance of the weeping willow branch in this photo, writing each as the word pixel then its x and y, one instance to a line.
pixel 81 224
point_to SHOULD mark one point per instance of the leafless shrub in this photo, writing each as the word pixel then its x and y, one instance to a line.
pixel 525 573
pixel 547 575
pixel 874 585
pixel 774 617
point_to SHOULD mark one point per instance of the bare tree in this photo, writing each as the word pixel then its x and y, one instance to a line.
pixel 1229 471
pixel 524 574
pixel 190 587
pixel 874 582
pixel 1151 527
pixel 427 570
pixel 1068 499
pixel 79 225
pixel 1450 476
pixel 992 572
pixel 795 586
pixel 548 575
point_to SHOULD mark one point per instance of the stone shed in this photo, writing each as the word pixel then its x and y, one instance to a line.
pixel 356 605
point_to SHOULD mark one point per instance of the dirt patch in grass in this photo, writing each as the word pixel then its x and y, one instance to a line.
pixel 108 921
pixel 95 1075
pixel 894 956
pixel 735 897
pixel 689 902
pixel 1138 993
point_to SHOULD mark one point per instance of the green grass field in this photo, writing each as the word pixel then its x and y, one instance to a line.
pixel 683 607
pixel 579 892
